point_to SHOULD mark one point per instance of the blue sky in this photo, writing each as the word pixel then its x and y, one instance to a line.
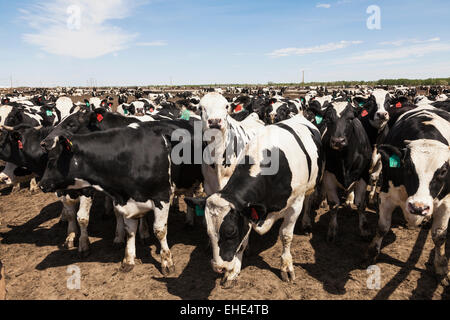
pixel 151 42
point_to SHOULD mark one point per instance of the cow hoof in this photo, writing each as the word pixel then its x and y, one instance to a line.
pixel 228 284
pixel 83 254
pixel 126 267
pixel 167 271
pixel 68 245
pixel 287 276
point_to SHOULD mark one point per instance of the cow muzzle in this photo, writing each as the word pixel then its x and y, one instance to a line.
pixel 215 124
pixel 338 143
pixel 222 266
pixel 419 208
pixel 47 187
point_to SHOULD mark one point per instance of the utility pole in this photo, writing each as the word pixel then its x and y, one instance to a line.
pixel 303 76
pixel 11 78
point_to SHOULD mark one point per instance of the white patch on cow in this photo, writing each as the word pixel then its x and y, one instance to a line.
pixel 134 126
pixel 134 209
pixel 5 110
pixel 340 107
pixel 380 98
pixel 214 106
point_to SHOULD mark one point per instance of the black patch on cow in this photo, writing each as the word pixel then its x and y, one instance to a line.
pixel 300 143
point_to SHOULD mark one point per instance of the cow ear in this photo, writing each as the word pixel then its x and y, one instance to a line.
pixel 359 101
pixel 195 202
pixel 393 157
pixel 66 143
pixel 255 212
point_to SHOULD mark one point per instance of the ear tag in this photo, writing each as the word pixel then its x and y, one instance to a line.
pixel 238 108
pixel 319 119
pixel 302 100
pixel 364 113
pixel 394 161
pixel 125 111
pixel 20 144
pixel 398 105
pixel 185 115
pixel 255 214
pixel 151 110
pixel 361 104
pixel 88 104
pixel 70 144
pixel 99 117
pixel 199 212
pixel 49 113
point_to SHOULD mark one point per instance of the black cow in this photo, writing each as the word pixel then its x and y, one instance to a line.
pixel 348 157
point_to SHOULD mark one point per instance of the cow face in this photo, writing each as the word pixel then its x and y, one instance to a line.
pixel 423 168
pixel 56 174
pixel 214 108
pixel 376 109
pixel 78 122
pixel 228 228
pixel 339 119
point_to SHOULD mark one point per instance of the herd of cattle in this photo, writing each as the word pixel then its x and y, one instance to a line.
pixel 259 157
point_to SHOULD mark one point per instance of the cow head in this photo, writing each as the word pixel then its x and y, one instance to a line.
pixel 423 169
pixel 376 108
pixel 214 108
pixel 79 122
pixel 58 165
pixel 228 228
pixel 339 118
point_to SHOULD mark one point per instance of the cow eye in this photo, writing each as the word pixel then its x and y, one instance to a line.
pixel 443 172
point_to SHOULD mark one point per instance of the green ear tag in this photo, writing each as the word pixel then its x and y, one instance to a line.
pixel 361 104
pixel 49 113
pixel 319 119
pixel 88 104
pixel 394 161
pixel 199 212
pixel 125 111
pixel 185 115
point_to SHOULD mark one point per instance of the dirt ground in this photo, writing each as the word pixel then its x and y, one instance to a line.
pixel 37 267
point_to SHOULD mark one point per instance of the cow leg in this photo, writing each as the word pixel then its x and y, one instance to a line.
pixel 160 230
pixel 119 239
pixel 350 199
pixel 128 262
pixel 306 219
pixel 360 196
pixel 386 208
pixel 83 222
pixel 333 202
pixel 144 233
pixel 286 236
pixel 70 213
pixel 190 217
pixel 108 207
pixel 439 235
pixel 34 186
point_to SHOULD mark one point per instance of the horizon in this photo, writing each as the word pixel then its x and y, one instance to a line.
pixel 125 43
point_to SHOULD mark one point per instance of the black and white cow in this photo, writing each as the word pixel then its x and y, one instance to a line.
pixel 132 165
pixel 278 170
pixel 230 136
pixel 416 177
pixel 348 158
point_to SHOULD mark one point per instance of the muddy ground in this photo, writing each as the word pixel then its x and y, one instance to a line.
pixel 37 267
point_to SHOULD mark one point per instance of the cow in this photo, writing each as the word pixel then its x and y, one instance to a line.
pixel 276 172
pixel 230 137
pixel 416 178
pixel 132 165
pixel 348 158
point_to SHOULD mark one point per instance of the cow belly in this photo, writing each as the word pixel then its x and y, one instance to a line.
pixel 135 210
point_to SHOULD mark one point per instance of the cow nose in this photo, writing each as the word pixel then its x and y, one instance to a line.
pixel 338 142
pixel 420 209
pixel 215 123
pixel 383 115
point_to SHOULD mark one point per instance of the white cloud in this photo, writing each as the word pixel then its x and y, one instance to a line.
pixel 159 43
pixel 317 49
pixel 401 42
pixel 412 51
pixel 323 5
pixel 58 30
